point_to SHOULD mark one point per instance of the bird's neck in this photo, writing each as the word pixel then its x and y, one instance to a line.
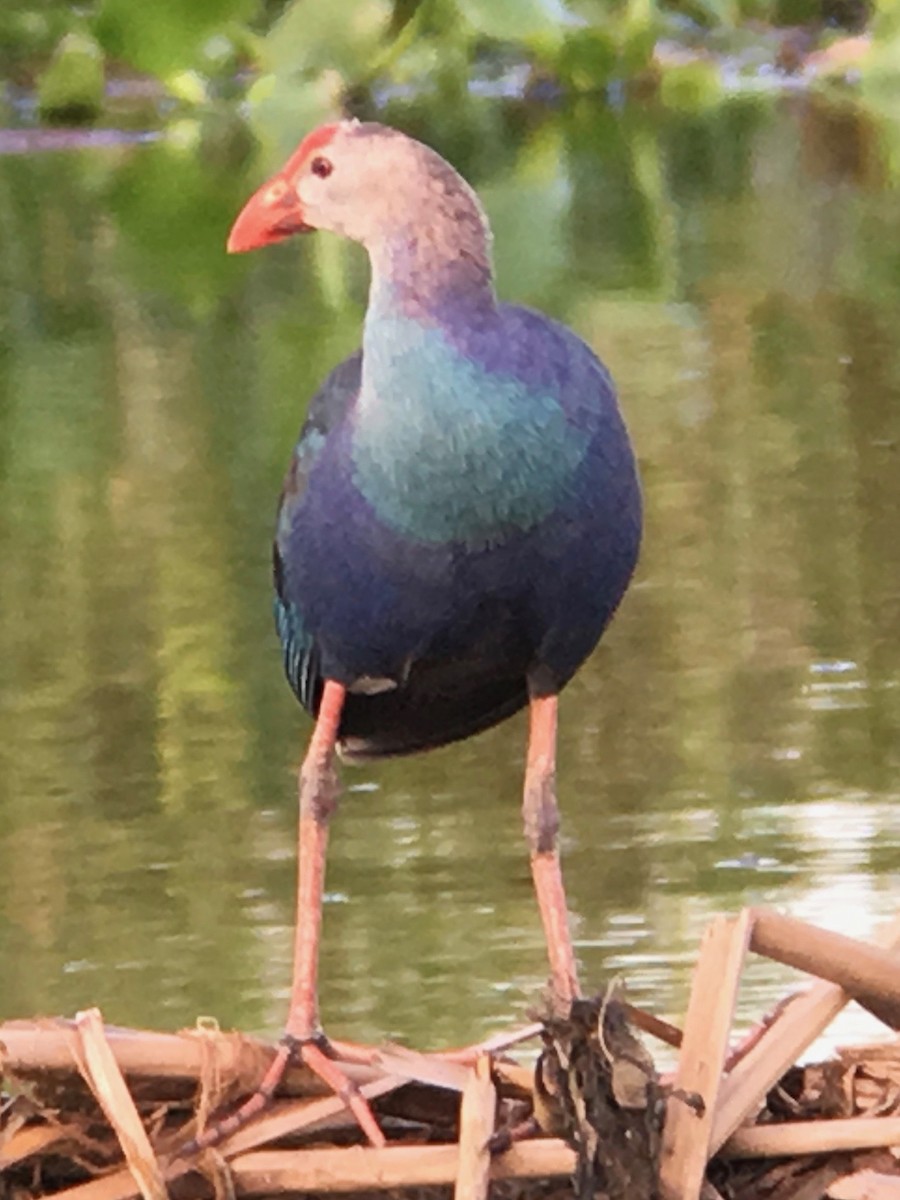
pixel 424 288
pixel 435 271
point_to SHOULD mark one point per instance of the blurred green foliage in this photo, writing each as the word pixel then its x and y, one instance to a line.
pixel 167 35
pixel 300 59
pixel 73 83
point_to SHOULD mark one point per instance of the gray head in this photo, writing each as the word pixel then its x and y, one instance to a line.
pixel 369 183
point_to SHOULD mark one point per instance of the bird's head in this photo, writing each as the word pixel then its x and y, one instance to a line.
pixel 364 181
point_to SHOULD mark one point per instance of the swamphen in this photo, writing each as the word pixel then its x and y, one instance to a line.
pixel 460 519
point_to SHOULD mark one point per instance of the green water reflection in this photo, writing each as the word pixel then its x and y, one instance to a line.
pixel 737 737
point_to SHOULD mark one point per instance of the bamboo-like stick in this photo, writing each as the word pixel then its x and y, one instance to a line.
pixel 362 1168
pixel 647 1022
pixel 866 1185
pixel 476 1124
pixel 46 1046
pixel 120 1185
pixel 495 1044
pixel 869 974
pixel 515 1076
pixel 781 1044
pixel 685 1140
pixel 812 1137
pixel 288 1118
pixel 101 1072
pixel 303 1116
pixel 742 1048
pixel 355 1169
pixel 424 1068
pixel 28 1141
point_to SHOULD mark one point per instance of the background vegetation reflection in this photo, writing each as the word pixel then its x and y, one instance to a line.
pixel 735 739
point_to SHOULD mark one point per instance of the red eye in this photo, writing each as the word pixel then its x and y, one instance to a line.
pixel 321 166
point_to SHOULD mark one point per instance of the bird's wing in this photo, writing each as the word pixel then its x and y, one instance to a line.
pixel 326 410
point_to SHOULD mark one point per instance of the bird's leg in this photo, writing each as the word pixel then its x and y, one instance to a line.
pixel 318 793
pixel 541 830
pixel 541 817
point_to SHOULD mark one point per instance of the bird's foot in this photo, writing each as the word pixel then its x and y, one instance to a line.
pixel 314 1052
pixel 315 1056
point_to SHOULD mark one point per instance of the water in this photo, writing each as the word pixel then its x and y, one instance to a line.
pixel 735 740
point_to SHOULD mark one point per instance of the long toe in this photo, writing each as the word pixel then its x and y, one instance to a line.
pixel 330 1072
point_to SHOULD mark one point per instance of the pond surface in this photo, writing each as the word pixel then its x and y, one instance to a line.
pixel 735 740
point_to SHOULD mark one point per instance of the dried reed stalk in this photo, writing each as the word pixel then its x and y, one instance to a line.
pixel 424 1068
pixel 812 1137
pixel 303 1116
pixel 647 1022
pixel 289 1118
pixel 29 1141
pixel 362 1168
pixel 870 975
pixel 780 1046
pixel 495 1044
pixel 477 1115
pixel 45 1045
pixel 98 1065
pixel 684 1150
pixel 355 1169
pixel 866 1185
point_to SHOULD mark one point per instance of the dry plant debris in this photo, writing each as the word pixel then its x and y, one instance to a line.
pixel 92 1112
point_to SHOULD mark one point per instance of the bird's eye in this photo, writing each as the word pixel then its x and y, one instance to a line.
pixel 321 166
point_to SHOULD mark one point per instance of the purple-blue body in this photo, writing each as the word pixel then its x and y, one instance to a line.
pixel 460 521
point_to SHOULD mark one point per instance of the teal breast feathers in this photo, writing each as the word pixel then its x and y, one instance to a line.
pixel 444 451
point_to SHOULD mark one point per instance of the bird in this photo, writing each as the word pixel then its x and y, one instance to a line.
pixel 459 522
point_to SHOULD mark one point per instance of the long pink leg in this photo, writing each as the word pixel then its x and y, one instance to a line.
pixel 318 793
pixel 541 816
